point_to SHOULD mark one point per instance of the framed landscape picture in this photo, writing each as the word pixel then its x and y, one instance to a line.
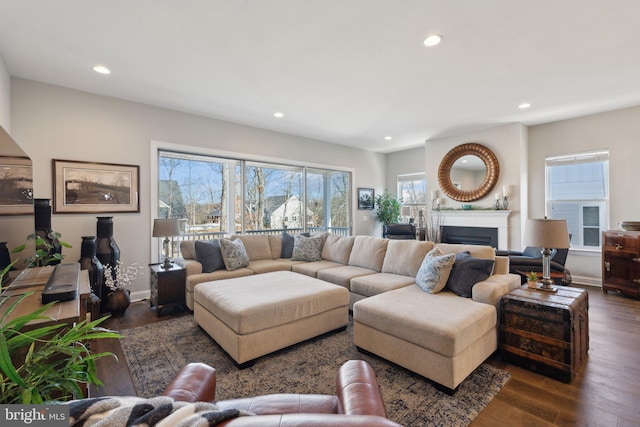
pixel 86 187
pixel 365 198
pixel 16 186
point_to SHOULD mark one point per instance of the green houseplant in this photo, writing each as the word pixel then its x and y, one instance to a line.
pixel 388 208
pixel 47 363
pixel 45 253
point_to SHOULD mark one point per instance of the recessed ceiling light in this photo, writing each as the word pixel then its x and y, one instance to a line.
pixel 388 138
pixel 101 69
pixel 278 115
pixel 433 40
pixel 524 105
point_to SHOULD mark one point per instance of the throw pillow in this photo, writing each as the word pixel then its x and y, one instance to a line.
pixel 434 271
pixel 307 248
pixel 234 254
pixel 287 244
pixel 466 272
pixel 208 254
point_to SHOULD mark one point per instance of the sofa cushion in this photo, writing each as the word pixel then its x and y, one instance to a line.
pixel 196 279
pixel 287 244
pixel 275 244
pixel 368 252
pixel 466 272
pixel 267 266
pixel 405 256
pixel 234 254
pixel 311 269
pixel 443 323
pixel 342 275
pixel 478 251
pixel 307 248
pixel 337 248
pixel 434 271
pixel 209 255
pixel 257 246
pixel 374 284
pixel 188 249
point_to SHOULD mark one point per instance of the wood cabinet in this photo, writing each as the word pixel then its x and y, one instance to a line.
pixel 621 262
pixel 167 286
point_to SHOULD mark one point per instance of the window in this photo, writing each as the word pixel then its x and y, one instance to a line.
pixel 412 188
pixel 577 188
pixel 215 196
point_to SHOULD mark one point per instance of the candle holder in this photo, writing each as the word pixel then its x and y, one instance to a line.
pixel 505 203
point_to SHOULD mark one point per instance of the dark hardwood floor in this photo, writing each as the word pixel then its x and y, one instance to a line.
pixel 605 392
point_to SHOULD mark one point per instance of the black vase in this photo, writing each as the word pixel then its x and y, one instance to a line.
pixel 107 251
pixel 42 218
pixel 89 261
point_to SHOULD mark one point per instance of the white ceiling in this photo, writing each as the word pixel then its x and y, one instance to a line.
pixel 344 71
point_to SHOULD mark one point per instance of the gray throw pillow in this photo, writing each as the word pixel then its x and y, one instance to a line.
pixel 434 271
pixel 234 254
pixel 209 255
pixel 287 244
pixel 466 272
pixel 307 248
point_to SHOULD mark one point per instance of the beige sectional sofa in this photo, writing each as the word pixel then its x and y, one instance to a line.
pixel 441 336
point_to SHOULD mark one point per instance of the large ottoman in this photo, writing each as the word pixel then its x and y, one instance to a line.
pixel 256 315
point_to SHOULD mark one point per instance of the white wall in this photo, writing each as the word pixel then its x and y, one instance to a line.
pixel 5 97
pixel 507 142
pixel 51 122
pixel 402 163
pixel 619 132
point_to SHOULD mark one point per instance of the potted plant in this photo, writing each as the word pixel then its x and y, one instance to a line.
pixel 118 279
pixel 48 363
pixel 388 208
pixel 532 279
pixel 45 253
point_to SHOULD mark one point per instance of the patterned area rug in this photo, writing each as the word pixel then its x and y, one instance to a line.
pixel 155 353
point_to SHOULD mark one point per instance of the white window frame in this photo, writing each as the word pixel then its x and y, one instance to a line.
pixel 577 242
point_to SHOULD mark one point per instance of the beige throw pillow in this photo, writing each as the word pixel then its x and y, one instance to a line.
pixel 234 254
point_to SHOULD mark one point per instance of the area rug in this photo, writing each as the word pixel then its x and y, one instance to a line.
pixel 156 352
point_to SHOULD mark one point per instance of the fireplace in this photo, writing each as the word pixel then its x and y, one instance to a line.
pixel 487 236
pixel 472 218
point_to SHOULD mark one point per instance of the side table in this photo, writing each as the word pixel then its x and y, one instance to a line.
pixel 545 332
pixel 167 286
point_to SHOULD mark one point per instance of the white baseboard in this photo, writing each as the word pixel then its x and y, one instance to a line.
pixel 588 281
pixel 140 295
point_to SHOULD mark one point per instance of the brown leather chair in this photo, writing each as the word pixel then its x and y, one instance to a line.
pixel 357 402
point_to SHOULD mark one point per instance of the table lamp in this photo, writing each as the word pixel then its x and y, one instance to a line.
pixel 166 227
pixel 547 234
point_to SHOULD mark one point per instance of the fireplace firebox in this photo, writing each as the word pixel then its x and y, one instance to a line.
pixel 487 236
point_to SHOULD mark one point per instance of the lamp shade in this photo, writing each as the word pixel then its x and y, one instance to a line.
pixel 546 233
pixel 406 211
pixel 166 227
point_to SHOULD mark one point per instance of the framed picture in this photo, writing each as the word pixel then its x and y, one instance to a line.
pixel 16 186
pixel 366 198
pixel 85 187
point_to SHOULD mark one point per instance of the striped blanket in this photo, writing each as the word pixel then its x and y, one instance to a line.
pixel 136 411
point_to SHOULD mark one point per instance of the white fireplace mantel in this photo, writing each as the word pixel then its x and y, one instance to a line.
pixel 478 218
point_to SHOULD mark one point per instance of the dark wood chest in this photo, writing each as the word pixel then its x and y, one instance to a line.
pixel 546 332
pixel 621 262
